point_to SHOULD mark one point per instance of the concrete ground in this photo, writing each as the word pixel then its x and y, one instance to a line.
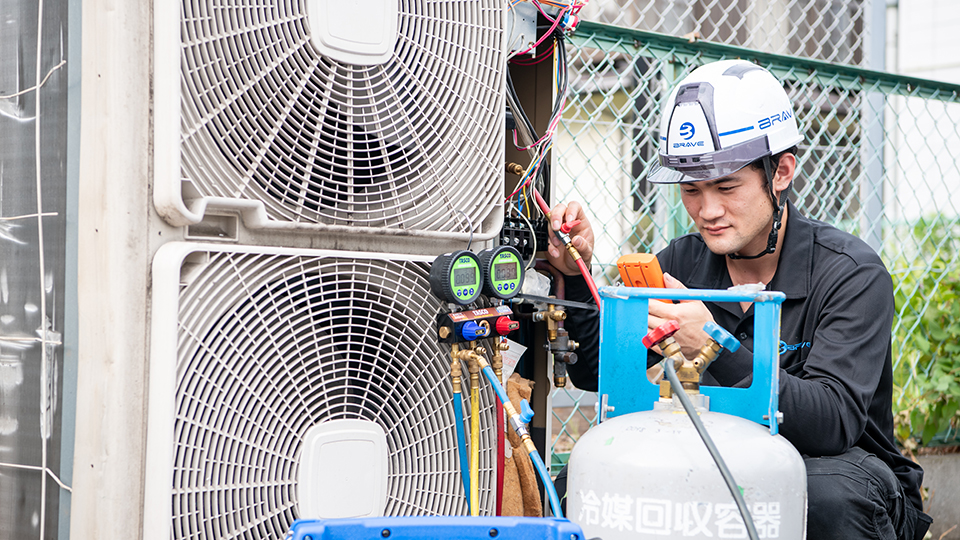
pixel 941 478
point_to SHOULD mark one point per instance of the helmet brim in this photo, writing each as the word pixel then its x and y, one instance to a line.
pixel 709 166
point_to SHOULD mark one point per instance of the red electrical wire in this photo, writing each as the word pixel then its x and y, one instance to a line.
pixel 532 62
pixel 547 34
pixel 587 276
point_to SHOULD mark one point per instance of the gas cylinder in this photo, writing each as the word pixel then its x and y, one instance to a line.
pixel 649 475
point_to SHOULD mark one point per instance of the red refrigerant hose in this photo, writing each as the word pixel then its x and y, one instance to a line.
pixel 568 244
pixel 501 458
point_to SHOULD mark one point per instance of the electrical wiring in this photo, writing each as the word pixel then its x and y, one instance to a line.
pixel 539 60
pixel 546 34
pixel 542 145
pixel 533 237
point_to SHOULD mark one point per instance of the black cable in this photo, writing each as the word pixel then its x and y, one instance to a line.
pixel 697 423
pixel 519 112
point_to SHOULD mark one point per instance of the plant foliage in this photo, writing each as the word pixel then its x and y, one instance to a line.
pixel 927 335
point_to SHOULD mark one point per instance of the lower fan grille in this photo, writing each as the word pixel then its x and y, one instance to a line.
pixel 270 345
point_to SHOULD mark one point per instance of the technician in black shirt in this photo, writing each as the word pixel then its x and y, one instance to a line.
pixel 729 140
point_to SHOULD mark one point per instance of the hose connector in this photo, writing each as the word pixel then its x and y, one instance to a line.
pixel 719 339
pixel 455 368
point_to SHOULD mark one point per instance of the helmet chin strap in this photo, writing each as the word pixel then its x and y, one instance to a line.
pixel 777 215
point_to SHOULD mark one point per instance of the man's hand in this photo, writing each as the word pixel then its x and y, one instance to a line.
pixel 581 235
pixel 691 314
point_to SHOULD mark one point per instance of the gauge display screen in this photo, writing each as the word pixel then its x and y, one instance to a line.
pixel 505 271
pixel 463 277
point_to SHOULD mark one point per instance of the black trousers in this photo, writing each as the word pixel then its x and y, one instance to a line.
pixel 852 496
pixel 855 495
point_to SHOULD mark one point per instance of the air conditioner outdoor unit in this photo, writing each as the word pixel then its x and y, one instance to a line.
pixel 373 116
pixel 290 384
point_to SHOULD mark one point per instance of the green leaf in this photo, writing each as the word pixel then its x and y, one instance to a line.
pixel 929 431
pixel 917 419
pixel 950 409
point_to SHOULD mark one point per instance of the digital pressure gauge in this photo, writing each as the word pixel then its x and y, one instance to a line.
pixel 502 270
pixel 457 277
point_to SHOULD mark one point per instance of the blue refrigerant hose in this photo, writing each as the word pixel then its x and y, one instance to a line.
pixel 522 432
pixel 462 444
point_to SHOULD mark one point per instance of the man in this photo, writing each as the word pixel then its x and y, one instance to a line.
pixel 728 138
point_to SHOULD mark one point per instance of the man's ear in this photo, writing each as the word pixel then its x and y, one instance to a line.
pixel 785 171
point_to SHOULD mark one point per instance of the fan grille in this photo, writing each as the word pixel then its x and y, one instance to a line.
pixel 271 345
pixel 415 143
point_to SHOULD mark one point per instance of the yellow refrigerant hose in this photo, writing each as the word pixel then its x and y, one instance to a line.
pixel 474 444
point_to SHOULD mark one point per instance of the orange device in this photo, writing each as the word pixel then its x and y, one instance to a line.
pixel 640 270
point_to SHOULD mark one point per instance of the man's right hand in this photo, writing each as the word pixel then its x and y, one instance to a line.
pixel 580 234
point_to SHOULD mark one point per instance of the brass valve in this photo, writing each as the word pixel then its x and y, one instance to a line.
pixel 562 347
pixel 553 314
pixel 455 368
pixel 496 361
pixel 689 371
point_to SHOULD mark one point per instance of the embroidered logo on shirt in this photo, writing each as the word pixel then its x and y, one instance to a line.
pixel 784 347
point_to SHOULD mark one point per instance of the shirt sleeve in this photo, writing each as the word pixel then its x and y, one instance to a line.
pixel 825 399
pixel 584 328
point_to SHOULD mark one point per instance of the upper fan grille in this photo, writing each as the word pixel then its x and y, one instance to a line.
pixel 415 143
pixel 271 345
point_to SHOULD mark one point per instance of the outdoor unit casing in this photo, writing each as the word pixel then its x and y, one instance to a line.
pixel 291 383
pixel 375 116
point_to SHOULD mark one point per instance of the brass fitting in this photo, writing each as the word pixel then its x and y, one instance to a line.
pixel 708 353
pixel 455 369
pixel 514 168
pixel 688 372
pixel 552 315
pixel 472 357
pixel 518 427
pixel 496 361
pixel 671 352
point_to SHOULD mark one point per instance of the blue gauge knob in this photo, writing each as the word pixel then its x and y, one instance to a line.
pixel 722 337
pixel 472 331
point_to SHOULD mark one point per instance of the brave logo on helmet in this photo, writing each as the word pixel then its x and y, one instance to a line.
pixel 687 130
pixel 764 123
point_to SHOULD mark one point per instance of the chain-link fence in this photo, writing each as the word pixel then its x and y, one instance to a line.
pixel 876 161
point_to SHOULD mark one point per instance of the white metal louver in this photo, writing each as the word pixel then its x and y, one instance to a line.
pixel 254 349
pixel 258 111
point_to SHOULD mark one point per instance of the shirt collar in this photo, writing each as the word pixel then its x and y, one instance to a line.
pixel 796 256
pixel 793 270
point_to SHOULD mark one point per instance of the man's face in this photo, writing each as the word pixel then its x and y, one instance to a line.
pixel 733 214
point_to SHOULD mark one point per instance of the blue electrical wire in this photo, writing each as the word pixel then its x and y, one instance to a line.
pixel 534 456
pixel 462 445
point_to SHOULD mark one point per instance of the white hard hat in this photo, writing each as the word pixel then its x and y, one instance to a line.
pixel 720 118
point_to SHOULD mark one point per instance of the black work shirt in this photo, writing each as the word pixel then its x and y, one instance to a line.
pixel 835 349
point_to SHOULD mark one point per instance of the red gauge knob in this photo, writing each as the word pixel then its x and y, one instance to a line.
pixel 661 333
pixel 505 325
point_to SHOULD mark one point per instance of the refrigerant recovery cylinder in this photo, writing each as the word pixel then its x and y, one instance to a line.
pixel 649 475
